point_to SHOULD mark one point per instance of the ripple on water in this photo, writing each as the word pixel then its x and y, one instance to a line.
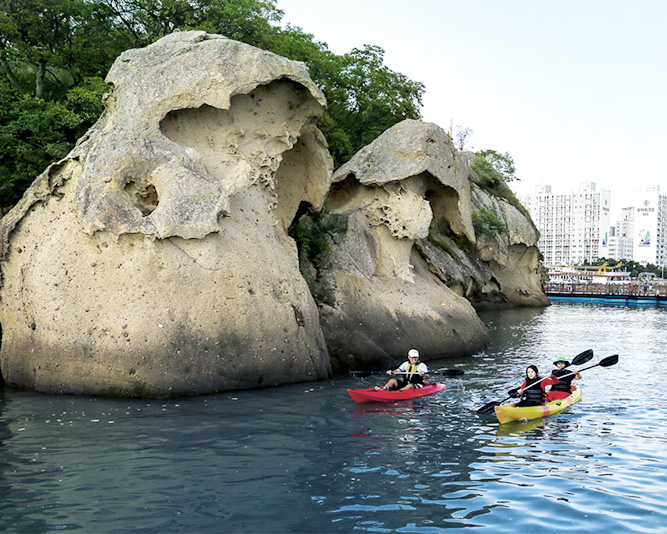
pixel 305 458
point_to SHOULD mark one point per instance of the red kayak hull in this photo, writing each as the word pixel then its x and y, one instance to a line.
pixel 382 395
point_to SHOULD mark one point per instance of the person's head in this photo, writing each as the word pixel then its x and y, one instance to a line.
pixel 413 355
pixel 532 372
pixel 561 362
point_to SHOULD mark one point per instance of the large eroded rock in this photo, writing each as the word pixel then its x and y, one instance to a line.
pixel 512 256
pixel 154 259
pixel 377 295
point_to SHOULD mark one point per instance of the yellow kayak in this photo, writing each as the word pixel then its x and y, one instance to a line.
pixel 509 412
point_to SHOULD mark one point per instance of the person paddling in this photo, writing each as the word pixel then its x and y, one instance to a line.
pixel 535 395
pixel 416 373
pixel 565 376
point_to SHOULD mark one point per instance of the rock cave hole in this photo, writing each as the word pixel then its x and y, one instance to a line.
pixel 344 191
pixel 144 196
pixel 444 201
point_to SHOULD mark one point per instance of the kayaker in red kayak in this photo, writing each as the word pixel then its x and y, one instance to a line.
pixel 418 372
pixel 565 376
pixel 536 395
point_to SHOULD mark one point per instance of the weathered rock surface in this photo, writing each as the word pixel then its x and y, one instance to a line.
pixel 512 256
pixel 377 295
pixel 499 269
pixel 154 259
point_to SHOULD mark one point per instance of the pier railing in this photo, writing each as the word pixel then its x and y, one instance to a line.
pixel 632 290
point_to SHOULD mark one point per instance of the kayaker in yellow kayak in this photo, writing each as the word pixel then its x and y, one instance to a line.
pixel 413 373
pixel 536 395
pixel 565 376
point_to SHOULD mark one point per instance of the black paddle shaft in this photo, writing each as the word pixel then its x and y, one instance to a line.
pixel 443 372
pixel 584 357
pixel 604 362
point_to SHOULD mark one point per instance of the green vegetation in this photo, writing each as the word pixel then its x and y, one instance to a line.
pixel 442 235
pixel 54 55
pixel 487 222
pixel 313 229
pixel 493 168
pixel 493 171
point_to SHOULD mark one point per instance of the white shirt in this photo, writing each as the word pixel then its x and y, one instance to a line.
pixel 421 367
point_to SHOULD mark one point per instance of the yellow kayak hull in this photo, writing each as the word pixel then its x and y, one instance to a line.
pixel 509 412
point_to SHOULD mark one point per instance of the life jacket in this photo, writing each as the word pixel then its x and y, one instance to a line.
pixel 533 396
pixel 564 384
pixel 415 378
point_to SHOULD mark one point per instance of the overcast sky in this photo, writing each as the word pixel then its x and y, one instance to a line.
pixel 573 90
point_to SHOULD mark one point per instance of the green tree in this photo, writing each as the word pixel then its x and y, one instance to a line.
pixel 35 132
pixel 54 54
pixel 494 168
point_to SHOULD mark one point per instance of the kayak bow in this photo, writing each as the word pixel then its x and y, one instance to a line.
pixel 382 395
pixel 509 412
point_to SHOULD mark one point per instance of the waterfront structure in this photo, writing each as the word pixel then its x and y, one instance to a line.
pixel 574 227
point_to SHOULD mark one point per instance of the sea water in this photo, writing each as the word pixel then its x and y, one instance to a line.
pixel 306 458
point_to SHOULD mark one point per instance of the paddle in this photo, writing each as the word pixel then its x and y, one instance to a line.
pixel 584 357
pixel 604 362
pixel 444 372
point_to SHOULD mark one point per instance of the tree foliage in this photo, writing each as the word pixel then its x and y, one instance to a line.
pixel 494 168
pixel 54 55
pixel 487 222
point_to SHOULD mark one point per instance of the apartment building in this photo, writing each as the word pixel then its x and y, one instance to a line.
pixel 573 226
pixel 650 226
pixel 621 244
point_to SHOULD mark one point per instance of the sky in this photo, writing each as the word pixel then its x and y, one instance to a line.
pixel 574 90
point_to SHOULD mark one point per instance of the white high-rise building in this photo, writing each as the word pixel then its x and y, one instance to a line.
pixel 621 244
pixel 650 226
pixel 573 226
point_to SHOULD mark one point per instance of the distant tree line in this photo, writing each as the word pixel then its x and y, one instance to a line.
pixel 54 55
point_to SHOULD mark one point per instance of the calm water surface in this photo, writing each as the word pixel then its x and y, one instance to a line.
pixel 306 458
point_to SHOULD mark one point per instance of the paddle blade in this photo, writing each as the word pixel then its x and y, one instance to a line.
pixel 488 408
pixel 609 360
pixel 451 372
pixel 584 357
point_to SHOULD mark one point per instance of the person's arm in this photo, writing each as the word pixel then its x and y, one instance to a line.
pixel 424 372
pixel 398 370
pixel 552 380
pixel 519 392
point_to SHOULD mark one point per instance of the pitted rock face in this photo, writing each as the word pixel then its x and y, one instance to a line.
pixel 208 118
pixel 378 295
pixel 154 260
pixel 405 181
pixel 412 149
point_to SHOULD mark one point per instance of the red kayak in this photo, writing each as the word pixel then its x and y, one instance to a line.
pixel 382 395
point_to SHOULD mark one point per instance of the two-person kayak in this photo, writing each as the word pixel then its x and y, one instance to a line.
pixel 383 395
pixel 510 412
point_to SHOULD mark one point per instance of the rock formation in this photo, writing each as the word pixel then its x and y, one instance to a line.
pixel 502 266
pixel 154 259
pixel 157 260
pixel 377 295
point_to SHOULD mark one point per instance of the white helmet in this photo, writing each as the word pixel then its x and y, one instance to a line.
pixel 413 353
